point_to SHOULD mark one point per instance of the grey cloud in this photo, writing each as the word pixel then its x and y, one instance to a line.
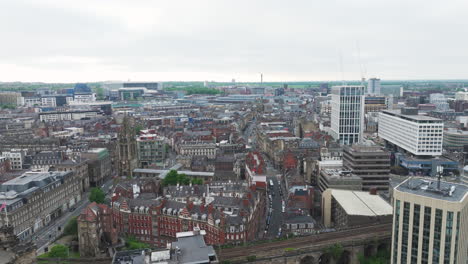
pixel 293 40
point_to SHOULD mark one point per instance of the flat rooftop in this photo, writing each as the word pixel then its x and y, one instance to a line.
pixel 456 132
pixel 162 173
pixel 362 203
pixel 427 187
pixel 29 180
pixel 96 150
pixel 366 148
pixel 340 174
pixel 414 118
pixel 193 250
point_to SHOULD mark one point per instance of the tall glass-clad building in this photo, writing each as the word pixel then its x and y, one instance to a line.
pixel 430 222
pixel 347 117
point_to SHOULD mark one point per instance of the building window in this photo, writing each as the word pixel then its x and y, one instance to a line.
pixel 426 234
pixel 395 231
pixel 404 237
pixel 448 237
pixel 415 241
pixel 437 236
pixel 456 238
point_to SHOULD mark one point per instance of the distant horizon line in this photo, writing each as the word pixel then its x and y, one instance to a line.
pixel 257 82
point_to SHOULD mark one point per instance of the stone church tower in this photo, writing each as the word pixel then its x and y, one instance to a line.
pixel 127 148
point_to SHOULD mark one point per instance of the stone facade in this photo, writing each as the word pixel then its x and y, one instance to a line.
pixel 80 168
pixel 34 199
pixel 95 230
pixel 127 148
pixel 99 166
pixel 14 252
pixel 198 149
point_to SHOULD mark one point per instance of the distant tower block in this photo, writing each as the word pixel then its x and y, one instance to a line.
pixel 373 86
pixel 347 116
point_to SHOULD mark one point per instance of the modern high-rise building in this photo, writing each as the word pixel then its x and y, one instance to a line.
pixel 430 222
pixel 417 134
pixel 373 86
pixel 371 163
pixel 347 117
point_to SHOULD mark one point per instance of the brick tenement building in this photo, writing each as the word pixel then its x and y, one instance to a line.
pixel 227 218
pixel 4 165
pixel 95 229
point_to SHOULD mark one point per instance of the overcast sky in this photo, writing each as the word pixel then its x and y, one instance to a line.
pixel 294 40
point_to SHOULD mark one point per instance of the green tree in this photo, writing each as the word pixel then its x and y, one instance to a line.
pixel 58 251
pixel 174 178
pixel 382 257
pixel 251 258
pixel 197 181
pixel 8 106
pixel 72 227
pixel 171 178
pixel 138 128
pixel 182 179
pixel 97 195
pixel 335 251
pixel 99 93
pixel 132 243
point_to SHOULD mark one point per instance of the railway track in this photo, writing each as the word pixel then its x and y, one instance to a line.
pixel 302 242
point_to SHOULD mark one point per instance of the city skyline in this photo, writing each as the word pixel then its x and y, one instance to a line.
pixel 65 41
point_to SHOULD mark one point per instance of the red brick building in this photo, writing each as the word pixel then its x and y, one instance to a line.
pixel 95 230
pixel 4 165
pixel 255 162
pixel 289 161
pixel 230 217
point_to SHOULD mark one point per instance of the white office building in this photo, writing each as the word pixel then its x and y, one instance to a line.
pixel 347 117
pixel 16 157
pixel 85 98
pixel 48 101
pixel 31 101
pixel 430 222
pixel 439 101
pixel 417 134
pixel 373 86
pixel 463 96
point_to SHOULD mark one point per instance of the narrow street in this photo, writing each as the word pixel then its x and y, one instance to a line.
pixel 275 194
pixel 275 207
